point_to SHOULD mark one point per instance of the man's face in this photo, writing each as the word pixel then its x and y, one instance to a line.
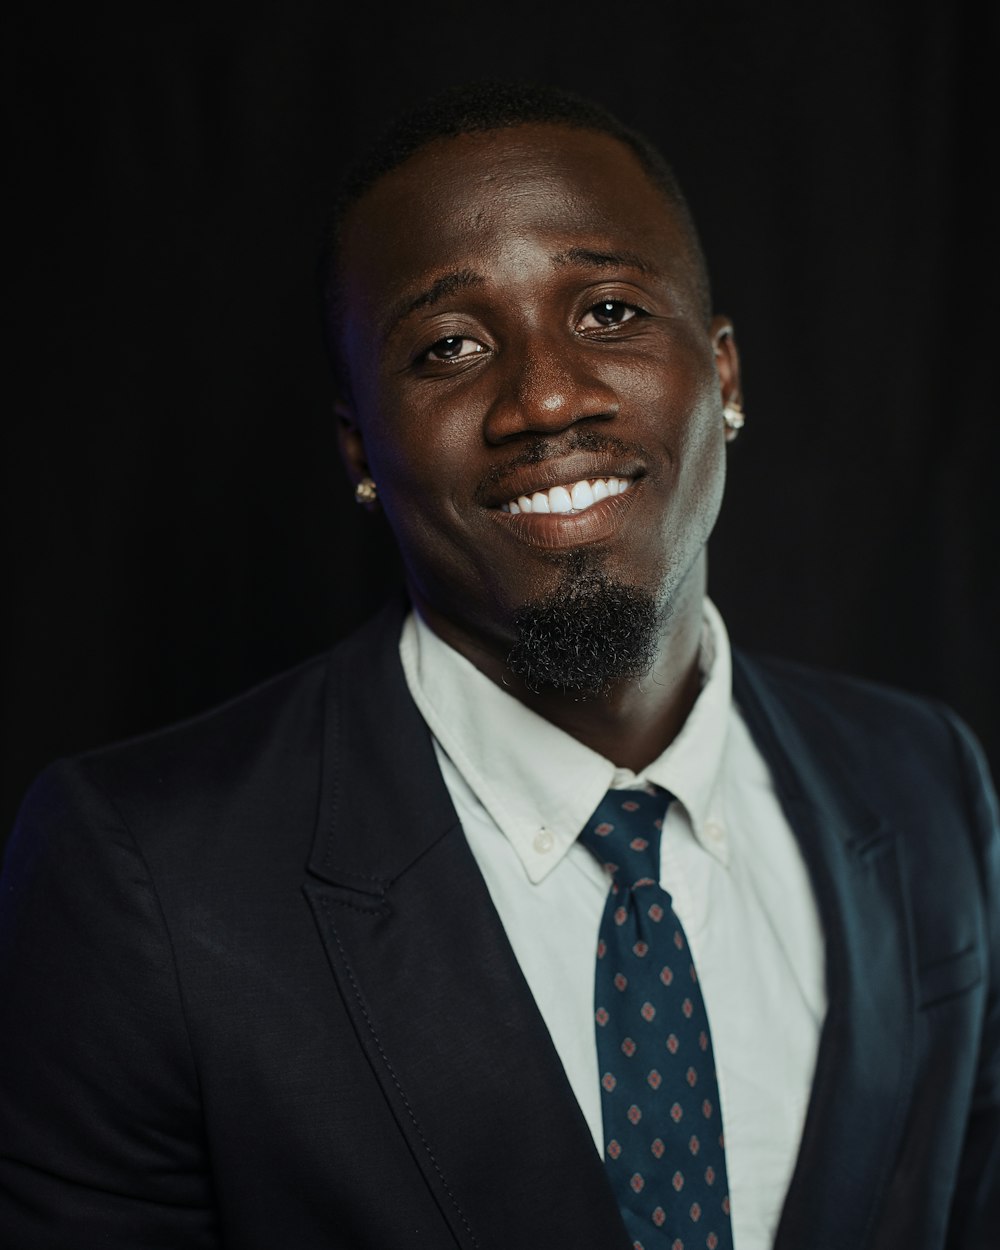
pixel 521 313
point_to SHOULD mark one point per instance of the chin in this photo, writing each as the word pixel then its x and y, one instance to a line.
pixel 587 634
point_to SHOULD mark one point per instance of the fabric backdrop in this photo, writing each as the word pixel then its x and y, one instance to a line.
pixel 178 524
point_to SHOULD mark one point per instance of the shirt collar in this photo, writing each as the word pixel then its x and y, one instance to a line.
pixel 539 784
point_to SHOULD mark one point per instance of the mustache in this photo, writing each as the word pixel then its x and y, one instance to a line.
pixel 541 449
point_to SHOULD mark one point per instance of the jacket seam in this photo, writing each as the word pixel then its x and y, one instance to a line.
pixel 356 990
pixel 126 827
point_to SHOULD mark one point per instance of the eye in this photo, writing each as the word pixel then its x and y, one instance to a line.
pixel 609 312
pixel 454 348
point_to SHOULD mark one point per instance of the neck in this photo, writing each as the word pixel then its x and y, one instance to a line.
pixel 637 718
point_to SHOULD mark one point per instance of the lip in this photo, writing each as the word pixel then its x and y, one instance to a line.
pixel 551 530
pixel 561 471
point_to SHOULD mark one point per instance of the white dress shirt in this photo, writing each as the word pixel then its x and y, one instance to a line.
pixel 523 790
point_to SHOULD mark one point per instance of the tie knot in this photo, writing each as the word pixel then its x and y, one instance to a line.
pixel 624 835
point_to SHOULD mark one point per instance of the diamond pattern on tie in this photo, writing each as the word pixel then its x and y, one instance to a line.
pixel 664 1150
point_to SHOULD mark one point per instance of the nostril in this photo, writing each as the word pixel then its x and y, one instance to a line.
pixel 544 390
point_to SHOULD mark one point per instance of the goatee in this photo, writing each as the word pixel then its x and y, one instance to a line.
pixel 586 635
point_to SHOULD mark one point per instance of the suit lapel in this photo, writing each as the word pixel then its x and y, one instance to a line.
pixel 855 1118
pixel 425 970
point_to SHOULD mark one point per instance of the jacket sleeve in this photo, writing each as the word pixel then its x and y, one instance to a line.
pixel 975 1214
pixel 101 1136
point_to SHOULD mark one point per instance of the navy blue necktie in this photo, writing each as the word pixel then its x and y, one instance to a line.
pixel 664 1149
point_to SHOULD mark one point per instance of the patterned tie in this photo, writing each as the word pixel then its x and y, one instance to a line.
pixel 664 1147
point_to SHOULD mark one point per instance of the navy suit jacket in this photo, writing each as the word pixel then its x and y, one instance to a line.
pixel 254 992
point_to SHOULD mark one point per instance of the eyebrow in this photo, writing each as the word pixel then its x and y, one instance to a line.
pixel 439 289
pixel 463 279
pixel 605 260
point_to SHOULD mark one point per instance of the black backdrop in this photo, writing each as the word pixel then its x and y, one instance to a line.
pixel 178 524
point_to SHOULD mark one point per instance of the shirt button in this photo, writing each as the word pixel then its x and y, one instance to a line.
pixel 544 841
pixel 714 831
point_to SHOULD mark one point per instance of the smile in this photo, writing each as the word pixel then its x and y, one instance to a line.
pixel 569 500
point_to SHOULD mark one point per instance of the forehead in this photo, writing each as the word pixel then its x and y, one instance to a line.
pixel 473 199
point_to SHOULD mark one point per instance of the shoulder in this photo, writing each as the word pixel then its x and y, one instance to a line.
pixel 239 776
pixel 229 739
pixel 878 739
pixel 217 747
pixel 866 713
pixel 831 696
pixel 208 787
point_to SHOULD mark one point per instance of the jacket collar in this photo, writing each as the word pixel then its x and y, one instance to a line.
pixel 369 834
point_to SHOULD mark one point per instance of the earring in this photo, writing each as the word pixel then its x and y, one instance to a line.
pixel 732 414
pixel 366 491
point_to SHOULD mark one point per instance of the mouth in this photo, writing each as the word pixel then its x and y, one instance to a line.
pixel 567 502
pixel 570 499
pixel 580 496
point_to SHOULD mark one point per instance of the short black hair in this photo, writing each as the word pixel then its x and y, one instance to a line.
pixel 479 107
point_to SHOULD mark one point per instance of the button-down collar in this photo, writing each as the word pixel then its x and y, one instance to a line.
pixel 537 782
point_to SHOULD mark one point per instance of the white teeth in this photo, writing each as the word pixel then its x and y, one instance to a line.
pixel 582 496
pixel 572 499
pixel 560 500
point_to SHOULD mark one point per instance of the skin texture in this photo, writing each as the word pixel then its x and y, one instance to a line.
pixel 521 311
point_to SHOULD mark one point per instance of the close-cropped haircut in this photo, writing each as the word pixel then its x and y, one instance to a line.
pixel 477 108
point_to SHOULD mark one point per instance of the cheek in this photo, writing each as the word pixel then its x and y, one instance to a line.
pixel 419 438
pixel 702 467
pixel 685 407
pixel 421 461
pixel 702 432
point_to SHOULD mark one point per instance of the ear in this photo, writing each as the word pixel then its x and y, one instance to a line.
pixel 727 365
pixel 352 446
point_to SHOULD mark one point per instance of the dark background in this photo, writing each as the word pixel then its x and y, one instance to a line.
pixel 178 523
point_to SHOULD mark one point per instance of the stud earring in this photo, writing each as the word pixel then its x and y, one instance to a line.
pixel 732 414
pixel 366 491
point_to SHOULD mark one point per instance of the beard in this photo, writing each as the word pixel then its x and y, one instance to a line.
pixel 585 635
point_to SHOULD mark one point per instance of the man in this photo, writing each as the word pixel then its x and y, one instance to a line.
pixel 318 969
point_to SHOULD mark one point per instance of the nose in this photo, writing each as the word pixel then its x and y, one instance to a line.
pixel 544 386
